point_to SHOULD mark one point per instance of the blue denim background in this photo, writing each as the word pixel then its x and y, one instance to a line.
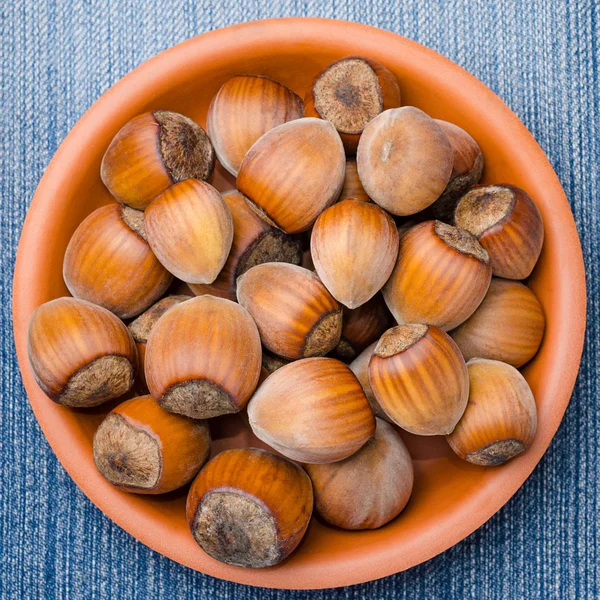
pixel 541 57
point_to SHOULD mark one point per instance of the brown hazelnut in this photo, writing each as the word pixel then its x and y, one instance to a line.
pixel 500 420
pixel 203 358
pixel 249 507
pixel 254 242
pixel 109 262
pixel 81 355
pixel 351 92
pixel 507 224
pixel 152 152
pixel 246 107
pixel 354 246
pixel 310 154
pixel 441 276
pixel 419 378
pixel 296 316
pixel 404 160
pixel 508 325
pixel 190 230
pixel 312 410
pixel 141 448
pixel 368 489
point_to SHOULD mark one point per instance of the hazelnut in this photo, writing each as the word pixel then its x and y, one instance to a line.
pixel 141 448
pixel 152 152
pixel 362 326
pixel 368 489
pixel 419 378
pixel 404 160
pixel 203 358
pixel 466 171
pixel 360 367
pixel 352 186
pixel 190 230
pixel 249 508
pixel 508 325
pixel 441 276
pixel 109 262
pixel 354 246
pixel 296 316
pixel 142 326
pixel 246 107
pixel 349 93
pixel 500 420
pixel 507 224
pixel 81 355
pixel 254 242
pixel 312 410
pixel 310 155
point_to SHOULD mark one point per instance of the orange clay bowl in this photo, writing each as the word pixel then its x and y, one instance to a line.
pixel 451 498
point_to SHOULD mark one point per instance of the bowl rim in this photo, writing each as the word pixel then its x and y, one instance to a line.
pixel 376 564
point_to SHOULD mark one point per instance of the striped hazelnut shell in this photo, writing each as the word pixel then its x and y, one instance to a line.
pixel 350 92
pixel 353 188
pixel 294 172
pixel 245 108
pixel 508 325
pixel 360 367
pixel 354 246
pixel 312 410
pixel 141 327
pixel 441 276
pixel 507 224
pixel 500 420
pixel 363 326
pixel 190 229
pixel 81 354
pixel 295 314
pixel 419 378
pixel 254 242
pixel 152 152
pixel 109 262
pixel 249 507
pixel 404 160
pixel 142 448
pixel 369 488
pixel 203 358
pixel 466 171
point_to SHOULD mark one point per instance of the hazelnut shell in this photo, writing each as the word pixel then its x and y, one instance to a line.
pixel 369 488
pixel 295 314
pixel 441 276
pixel 249 507
pixel 245 108
pixel 419 378
pixel 203 358
pixel 312 410
pixel 109 262
pixel 81 354
pixel 141 448
pixel 500 420
pixel 310 155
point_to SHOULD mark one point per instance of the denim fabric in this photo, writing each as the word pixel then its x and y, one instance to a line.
pixel 541 57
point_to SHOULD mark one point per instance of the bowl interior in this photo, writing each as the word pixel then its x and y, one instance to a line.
pixel 451 498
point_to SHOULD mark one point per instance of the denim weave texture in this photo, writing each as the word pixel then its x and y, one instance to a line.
pixel 541 57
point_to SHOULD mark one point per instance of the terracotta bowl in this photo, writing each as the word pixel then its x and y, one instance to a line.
pixel 451 498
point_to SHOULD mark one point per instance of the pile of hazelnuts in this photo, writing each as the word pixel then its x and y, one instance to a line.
pixel 356 282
